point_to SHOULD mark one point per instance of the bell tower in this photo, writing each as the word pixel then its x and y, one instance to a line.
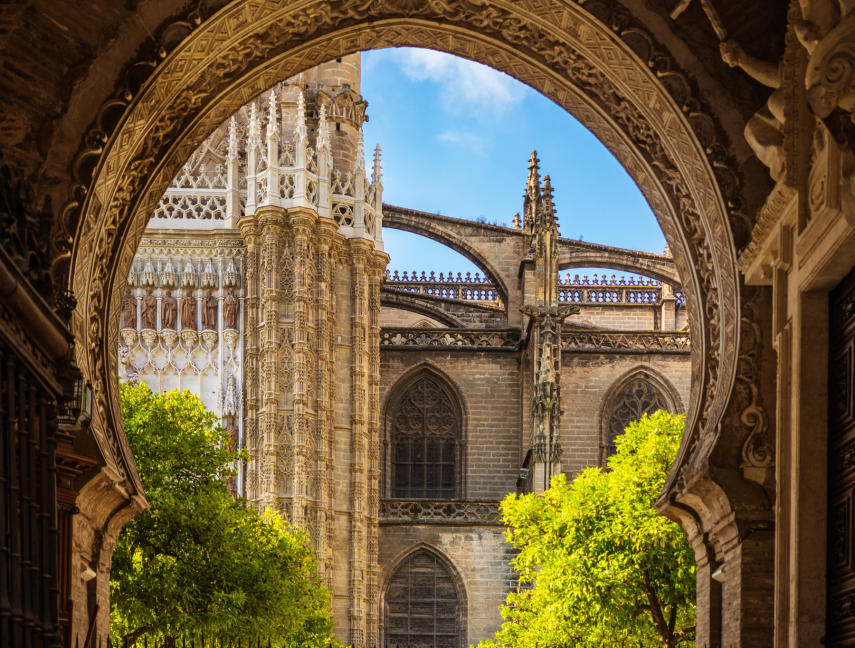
pixel 312 230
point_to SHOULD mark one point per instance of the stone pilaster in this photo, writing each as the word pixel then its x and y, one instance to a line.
pixel 271 224
pixel 360 254
pixel 252 240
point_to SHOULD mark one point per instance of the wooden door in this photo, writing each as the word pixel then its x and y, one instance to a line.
pixel 840 618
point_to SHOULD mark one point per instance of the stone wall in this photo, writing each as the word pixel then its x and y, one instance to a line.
pixel 586 383
pixel 619 317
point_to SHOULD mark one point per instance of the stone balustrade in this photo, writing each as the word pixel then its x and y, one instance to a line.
pixel 395 511
pixel 634 291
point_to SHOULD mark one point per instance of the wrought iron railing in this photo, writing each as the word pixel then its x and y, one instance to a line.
pixel 394 511
pixel 626 341
pixel 477 339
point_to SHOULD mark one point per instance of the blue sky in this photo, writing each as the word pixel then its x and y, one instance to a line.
pixel 456 137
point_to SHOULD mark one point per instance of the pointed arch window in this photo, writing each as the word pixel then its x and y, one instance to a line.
pixel 425 439
pixel 631 402
pixel 422 605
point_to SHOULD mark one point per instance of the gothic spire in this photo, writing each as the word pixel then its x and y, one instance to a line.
pixel 254 128
pixel 546 210
pixel 323 130
pixel 272 121
pixel 359 160
pixel 532 194
pixel 377 173
pixel 532 187
pixel 301 117
pixel 233 139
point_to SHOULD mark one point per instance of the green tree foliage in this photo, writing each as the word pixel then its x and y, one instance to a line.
pixel 196 562
pixel 602 568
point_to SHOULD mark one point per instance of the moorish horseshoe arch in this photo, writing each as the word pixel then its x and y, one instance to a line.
pixel 562 51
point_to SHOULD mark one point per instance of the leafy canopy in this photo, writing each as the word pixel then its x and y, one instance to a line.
pixel 602 568
pixel 196 562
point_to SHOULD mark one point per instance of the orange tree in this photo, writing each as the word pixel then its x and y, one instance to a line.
pixel 597 565
pixel 196 562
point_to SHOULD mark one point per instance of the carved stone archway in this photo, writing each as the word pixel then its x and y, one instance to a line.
pixel 601 68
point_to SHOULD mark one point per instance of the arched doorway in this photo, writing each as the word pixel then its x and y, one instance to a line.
pixel 422 605
pixel 587 61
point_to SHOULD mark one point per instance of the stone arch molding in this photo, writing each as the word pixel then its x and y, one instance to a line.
pixel 587 58
pixel 457 396
pixel 449 565
pixel 656 378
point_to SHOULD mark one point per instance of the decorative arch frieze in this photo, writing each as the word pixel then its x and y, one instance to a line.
pixel 591 59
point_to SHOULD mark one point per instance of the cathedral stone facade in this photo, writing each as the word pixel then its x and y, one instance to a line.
pixel 388 415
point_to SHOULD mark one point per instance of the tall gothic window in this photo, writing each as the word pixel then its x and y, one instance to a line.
pixel 632 401
pixel 422 605
pixel 425 436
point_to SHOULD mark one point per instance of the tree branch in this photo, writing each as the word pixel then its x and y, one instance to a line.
pixel 656 610
pixel 672 622
pixel 684 632
pixel 640 609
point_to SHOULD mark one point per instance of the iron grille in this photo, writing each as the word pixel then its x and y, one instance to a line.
pixel 425 435
pixel 422 606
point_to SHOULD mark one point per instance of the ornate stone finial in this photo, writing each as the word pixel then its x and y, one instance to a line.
pixel 359 160
pixel 323 131
pixel 254 140
pixel 532 193
pixel 233 139
pixel 272 121
pixel 546 210
pixel 377 172
pixel 300 130
pixel 516 223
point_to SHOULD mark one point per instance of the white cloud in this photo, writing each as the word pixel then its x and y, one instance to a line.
pixel 465 85
pixel 466 140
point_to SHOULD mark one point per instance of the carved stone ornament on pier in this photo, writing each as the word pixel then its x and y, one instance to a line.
pixel 210 338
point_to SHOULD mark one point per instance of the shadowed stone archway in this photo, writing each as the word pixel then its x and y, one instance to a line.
pixel 598 67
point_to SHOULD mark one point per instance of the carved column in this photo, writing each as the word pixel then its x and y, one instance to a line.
pixel 378 267
pixel 324 410
pixel 271 223
pixel 360 439
pixel 302 224
pixel 252 241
